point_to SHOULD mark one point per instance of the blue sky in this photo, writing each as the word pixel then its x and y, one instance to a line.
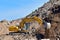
pixel 14 9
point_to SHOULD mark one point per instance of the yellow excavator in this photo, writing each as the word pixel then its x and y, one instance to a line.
pixel 25 20
pixel 28 20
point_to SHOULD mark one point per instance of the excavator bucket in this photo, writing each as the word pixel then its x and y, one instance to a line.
pixel 13 29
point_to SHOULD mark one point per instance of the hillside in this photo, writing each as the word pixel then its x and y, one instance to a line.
pixel 50 10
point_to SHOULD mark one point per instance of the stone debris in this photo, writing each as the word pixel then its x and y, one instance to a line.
pixel 3 29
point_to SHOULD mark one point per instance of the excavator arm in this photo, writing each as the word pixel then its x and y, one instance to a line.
pixel 30 20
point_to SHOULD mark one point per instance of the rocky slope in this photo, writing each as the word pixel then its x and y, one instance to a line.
pixel 50 10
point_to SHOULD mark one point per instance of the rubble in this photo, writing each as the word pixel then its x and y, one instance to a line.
pixel 3 29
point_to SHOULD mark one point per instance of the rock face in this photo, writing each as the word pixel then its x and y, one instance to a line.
pixel 50 10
